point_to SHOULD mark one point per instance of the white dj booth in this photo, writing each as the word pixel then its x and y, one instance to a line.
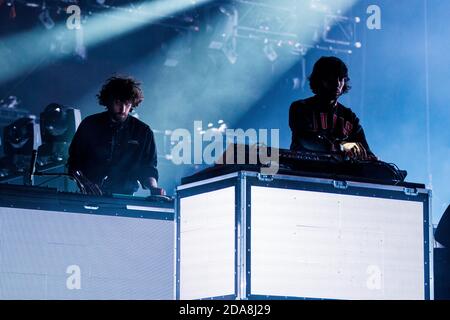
pixel 240 235
pixel 70 246
pixel 247 236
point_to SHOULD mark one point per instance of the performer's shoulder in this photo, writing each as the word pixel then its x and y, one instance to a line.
pixel 303 104
pixel 93 119
pixel 141 125
pixel 346 110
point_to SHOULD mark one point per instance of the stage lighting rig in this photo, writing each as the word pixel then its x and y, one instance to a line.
pixel 270 52
pixel 224 23
pixel 268 21
pixel 58 125
pixel 46 19
pixel 340 30
pixel 298 25
pixel 20 138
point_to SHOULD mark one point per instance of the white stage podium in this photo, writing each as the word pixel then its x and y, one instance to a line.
pixel 246 236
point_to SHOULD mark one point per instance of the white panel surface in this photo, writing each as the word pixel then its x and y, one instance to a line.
pixel 207 244
pixel 116 257
pixel 323 245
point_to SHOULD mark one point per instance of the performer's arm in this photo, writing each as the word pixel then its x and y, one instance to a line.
pixel 356 145
pixel 149 172
pixel 77 154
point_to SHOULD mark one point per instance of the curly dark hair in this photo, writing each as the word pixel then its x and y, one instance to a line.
pixel 122 89
pixel 326 67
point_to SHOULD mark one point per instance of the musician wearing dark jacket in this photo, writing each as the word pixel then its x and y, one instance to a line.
pixel 111 151
pixel 322 124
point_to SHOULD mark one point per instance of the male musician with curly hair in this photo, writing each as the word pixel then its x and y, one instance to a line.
pixel 320 123
pixel 111 151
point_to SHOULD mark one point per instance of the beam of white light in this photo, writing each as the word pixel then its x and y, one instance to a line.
pixel 23 52
pixel 119 21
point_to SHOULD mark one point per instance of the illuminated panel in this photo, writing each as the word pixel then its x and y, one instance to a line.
pixel 62 255
pixel 207 243
pixel 323 245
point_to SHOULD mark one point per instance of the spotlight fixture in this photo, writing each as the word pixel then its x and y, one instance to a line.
pixel 224 36
pixel 58 125
pixel 46 19
pixel 21 137
pixel 270 52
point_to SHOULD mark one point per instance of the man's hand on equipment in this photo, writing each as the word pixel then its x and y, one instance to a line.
pixel 157 191
pixel 355 150
pixel 152 185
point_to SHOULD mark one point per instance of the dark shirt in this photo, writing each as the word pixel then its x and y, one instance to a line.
pixel 320 128
pixel 124 152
